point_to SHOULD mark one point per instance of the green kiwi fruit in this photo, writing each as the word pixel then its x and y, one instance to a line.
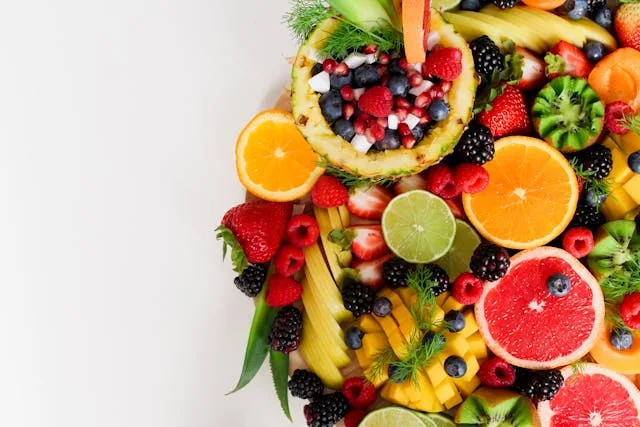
pixel 494 407
pixel 616 250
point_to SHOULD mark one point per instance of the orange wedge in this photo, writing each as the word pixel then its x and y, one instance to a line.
pixel 273 160
pixel 531 196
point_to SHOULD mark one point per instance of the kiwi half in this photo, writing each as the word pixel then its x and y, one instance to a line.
pixel 616 250
pixel 568 114
pixel 492 407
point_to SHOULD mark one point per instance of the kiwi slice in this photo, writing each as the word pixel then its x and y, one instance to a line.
pixel 616 250
pixel 568 114
pixel 493 407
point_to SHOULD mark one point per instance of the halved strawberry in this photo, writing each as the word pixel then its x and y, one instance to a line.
pixel 370 272
pixel 365 241
pixel 368 202
pixel 566 59
pixel 408 183
pixel 533 70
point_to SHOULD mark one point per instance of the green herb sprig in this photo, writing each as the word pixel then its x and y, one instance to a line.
pixel 348 37
pixel 600 187
pixel 632 123
pixel 622 282
pixel 305 15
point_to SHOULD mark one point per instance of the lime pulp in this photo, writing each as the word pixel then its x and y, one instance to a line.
pixel 443 5
pixel 457 260
pixel 392 416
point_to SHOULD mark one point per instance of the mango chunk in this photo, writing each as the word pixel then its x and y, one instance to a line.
pixel 377 378
pixel 617 204
pixel 629 142
pixel 408 296
pixel 373 344
pixel 452 304
pixel 396 301
pixel 477 347
pixel 454 401
pixel 398 344
pixel 620 171
pixel 427 402
pixel 456 345
pixel 468 387
pixel 402 315
pixel 393 393
pixel 440 299
pixel 446 391
pixel 632 187
pixel 470 325
pixel 368 324
pixel 387 324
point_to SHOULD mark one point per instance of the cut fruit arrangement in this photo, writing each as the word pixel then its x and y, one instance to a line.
pixel 441 225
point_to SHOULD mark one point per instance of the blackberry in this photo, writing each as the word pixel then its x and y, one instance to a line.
pixel 587 216
pixel 538 385
pixel 505 4
pixel 326 410
pixel 593 6
pixel 305 384
pixel 357 298
pixel 440 277
pixel 486 57
pixel 286 330
pixel 251 280
pixel 595 160
pixel 489 262
pixel 475 145
pixel 394 272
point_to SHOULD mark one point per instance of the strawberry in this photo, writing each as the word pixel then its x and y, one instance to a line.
pixel 368 202
pixel 614 113
pixel 627 24
pixel 444 63
pixel 282 291
pixel 408 183
pixel 370 272
pixel 566 59
pixel 253 231
pixel 365 241
pixel 328 192
pixel 533 70
pixel 508 114
pixel 377 101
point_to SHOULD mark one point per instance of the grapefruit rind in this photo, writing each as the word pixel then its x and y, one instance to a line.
pixel 597 303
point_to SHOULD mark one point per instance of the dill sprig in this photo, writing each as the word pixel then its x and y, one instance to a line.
pixel 305 15
pixel 577 368
pixel 600 187
pixel 348 37
pixel 631 122
pixel 419 352
pixel 423 310
pixel 350 180
pixel 381 361
pixel 622 282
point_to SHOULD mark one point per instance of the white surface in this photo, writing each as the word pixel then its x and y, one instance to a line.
pixel 117 126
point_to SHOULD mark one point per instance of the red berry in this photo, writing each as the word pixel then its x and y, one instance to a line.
pixel 353 417
pixel 403 128
pixel 342 69
pixel 360 126
pixel 288 260
pixel 282 291
pixel 383 121
pixel 422 100
pixel 347 93
pixel 467 289
pixel 359 392
pixel 613 115
pixel 382 70
pixel 630 310
pixel 377 101
pixel 441 181
pixel 370 48
pixel 425 119
pixel 384 58
pixel 400 101
pixel 377 131
pixel 580 184
pixel 496 372
pixel 329 65
pixel 509 114
pixel 404 64
pixel 348 110
pixel 408 141
pixel 456 207
pixel 471 178
pixel 369 134
pixel 578 241
pixel 415 79
pixel 328 192
pixel 436 92
pixel 444 63
pixel 384 80
pixel 417 111
pixel 302 230
pixel 402 114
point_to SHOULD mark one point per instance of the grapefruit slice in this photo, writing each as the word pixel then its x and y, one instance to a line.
pixel 522 322
pixel 596 396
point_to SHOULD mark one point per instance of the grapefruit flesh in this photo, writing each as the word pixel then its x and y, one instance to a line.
pixel 594 396
pixel 522 322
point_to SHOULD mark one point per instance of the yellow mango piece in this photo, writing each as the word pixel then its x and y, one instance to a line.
pixel 411 391
pixel 632 214
pixel 402 315
pixel 629 142
pixel 440 299
pixel 617 204
pixel 363 359
pixel 456 345
pixel 620 171
pixel 427 402
pixel 438 318
pixel 632 187
pixel 387 324
pixel 446 391
pixel 373 344
pixel 435 372
pixel 470 325
pixel 477 346
pixel 468 387
pixel 396 301
pixel 408 296
pixel 454 401
pixel 377 378
pixel 472 369
pixel 452 304
pixel 398 344
pixel 393 392
pixel 368 324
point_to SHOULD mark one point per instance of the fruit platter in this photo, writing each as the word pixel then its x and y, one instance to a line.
pixel 442 221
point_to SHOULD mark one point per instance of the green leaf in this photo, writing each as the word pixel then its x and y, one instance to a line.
pixel 238 257
pixel 258 343
pixel 280 372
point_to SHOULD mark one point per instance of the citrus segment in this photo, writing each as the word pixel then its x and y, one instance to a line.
pixel 456 261
pixel 531 196
pixel 392 417
pixel 273 160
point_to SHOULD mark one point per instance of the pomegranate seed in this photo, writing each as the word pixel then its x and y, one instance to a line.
pixel 425 119
pixel 436 93
pixel 377 131
pixel 422 100
pixel 417 111
pixel 360 126
pixel 404 130
pixel 402 113
pixel 384 80
pixel 384 58
pixel 408 141
pixel 446 86
pixel 329 65
pixel 364 116
pixel 370 48
pixel 369 134
pixel 415 79
pixel 342 69
pixel 404 64
pixel 347 93
pixel 348 110
pixel 382 121
pixel 401 102
pixel 382 70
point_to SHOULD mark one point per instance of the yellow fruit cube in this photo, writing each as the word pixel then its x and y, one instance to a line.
pixel 408 296
pixel 617 204
pixel 452 304
pixel 454 401
pixel 632 214
pixel 391 296
pixel 632 187
pixel 410 390
pixel 477 346
pixel 393 392
pixel 438 318
pixel 456 345
pixel 470 325
pixel 446 391
pixel 620 171
pixel 427 401
pixel 409 330
pixel 468 387
pixel 368 324
pixel 629 142
pixel 387 324
pixel 373 344
pixel 402 314
pixel 398 344
pixel 435 372
pixel 363 359
pixel 377 378
pixel 440 299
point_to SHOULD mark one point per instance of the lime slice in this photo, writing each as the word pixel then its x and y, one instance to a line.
pixel 457 260
pixel 428 422
pixel 418 226
pixel 392 416
pixel 441 420
pixel 443 5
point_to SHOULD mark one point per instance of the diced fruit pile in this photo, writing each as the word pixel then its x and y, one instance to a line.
pixel 446 230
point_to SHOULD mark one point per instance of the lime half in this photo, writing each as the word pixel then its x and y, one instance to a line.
pixel 457 260
pixel 418 226
pixel 428 422
pixel 392 416
pixel 440 420
pixel 443 5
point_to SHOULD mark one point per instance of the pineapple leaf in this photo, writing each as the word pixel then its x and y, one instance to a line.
pixel 280 373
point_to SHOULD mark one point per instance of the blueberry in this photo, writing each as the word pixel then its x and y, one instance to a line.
pixel 353 338
pixel 344 128
pixel 604 18
pixel 472 5
pixel 397 375
pixel 438 110
pixel 593 199
pixel 429 336
pixel 382 306
pixel 337 82
pixel 418 132
pixel 634 161
pixel 558 285
pixel 455 321
pixel 455 366
pixel 576 8
pixel 621 339
pixel 595 51
pixel 391 140
pixel 398 85
pixel 331 105
pixel 394 68
pixel 366 76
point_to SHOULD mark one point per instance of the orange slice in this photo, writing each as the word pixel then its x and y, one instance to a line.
pixel 531 196
pixel 273 160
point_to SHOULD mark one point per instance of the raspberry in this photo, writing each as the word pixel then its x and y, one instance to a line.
pixel 377 101
pixel 359 392
pixel 282 291
pixel 441 182
pixel 496 372
pixel 444 63
pixel 302 230
pixel 613 115
pixel 630 310
pixel 288 260
pixel 328 192
pixel 457 210
pixel 471 178
pixel 467 289
pixel 353 417
pixel 578 241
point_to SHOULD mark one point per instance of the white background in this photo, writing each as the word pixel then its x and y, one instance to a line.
pixel 117 126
